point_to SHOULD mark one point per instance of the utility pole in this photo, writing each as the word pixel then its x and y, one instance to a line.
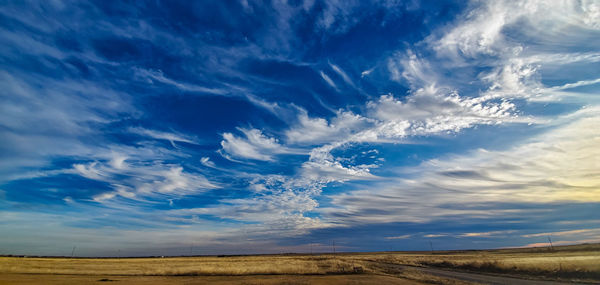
pixel 334 247
pixel 551 246
pixel 73 251
pixel 431 246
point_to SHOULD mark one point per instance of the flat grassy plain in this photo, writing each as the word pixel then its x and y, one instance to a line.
pixel 566 263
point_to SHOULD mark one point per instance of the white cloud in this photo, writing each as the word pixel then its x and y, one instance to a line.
pixel 279 206
pixel 399 237
pixel 157 75
pixel 343 74
pixel 323 167
pixel 44 118
pixel 434 235
pixel 518 40
pixel 88 170
pixel 328 79
pixel 487 234
pixel 318 130
pixel 595 232
pixel 366 72
pixel 559 166
pixel 415 70
pixel 427 111
pixel 256 145
pixel 104 196
pixel 436 103
pixel 560 58
pixel 432 110
pixel 483 28
pixel 140 179
pixel 240 147
pixel 575 84
pixel 159 135
pixel 513 79
pixel 207 162
pixel 480 74
pixel 118 161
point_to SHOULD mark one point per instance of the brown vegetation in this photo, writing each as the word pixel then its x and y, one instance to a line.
pixel 242 265
pixel 575 262
pixel 567 262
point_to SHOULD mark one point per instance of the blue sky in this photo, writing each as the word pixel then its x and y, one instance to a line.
pixel 228 127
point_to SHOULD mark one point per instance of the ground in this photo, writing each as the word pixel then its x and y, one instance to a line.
pixel 559 265
pixel 249 280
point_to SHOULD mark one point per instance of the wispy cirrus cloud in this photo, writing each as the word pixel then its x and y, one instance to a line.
pixel 310 131
pixel 255 145
pixel 160 135
pixel 140 180
pixel 580 232
pixel 434 106
pixel 342 74
pixel 558 166
pixel 328 79
pixel 483 30
pixel 157 75
pixel 487 234
pixel 274 123
pixel 398 237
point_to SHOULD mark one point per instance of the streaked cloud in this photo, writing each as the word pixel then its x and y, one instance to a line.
pixel 255 145
pixel 487 234
pixel 328 79
pixel 158 76
pixel 558 166
pixel 398 237
pixel 140 180
pixel 581 232
pixel 270 124
pixel 171 137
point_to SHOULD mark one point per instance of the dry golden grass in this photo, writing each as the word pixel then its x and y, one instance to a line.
pixel 244 265
pixel 35 279
pixel 566 262
pixel 249 266
pixel 563 262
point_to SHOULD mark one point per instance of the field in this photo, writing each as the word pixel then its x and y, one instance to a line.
pixel 568 263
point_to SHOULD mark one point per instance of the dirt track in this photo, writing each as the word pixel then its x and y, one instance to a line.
pixel 478 278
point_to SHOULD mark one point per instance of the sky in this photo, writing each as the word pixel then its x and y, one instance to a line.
pixel 137 128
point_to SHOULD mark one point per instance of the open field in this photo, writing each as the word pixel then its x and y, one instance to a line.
pixel 568 263
pixel 565 262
